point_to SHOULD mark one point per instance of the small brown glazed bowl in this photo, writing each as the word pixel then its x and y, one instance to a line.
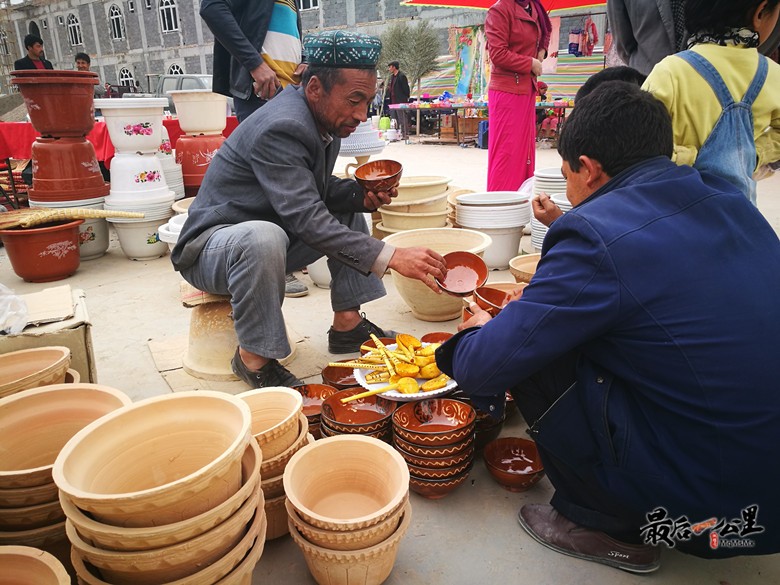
pixel 465 272
pixel 313 396
pixel 514 463
pixel 364 415
pixel 490 299
pixel 435 462
pixel 383 434
pixel 434 489
pixel 433 422
pixel 379 175
pixel 436 337
pixel 339 378
pixel 438 473
pixel 437 451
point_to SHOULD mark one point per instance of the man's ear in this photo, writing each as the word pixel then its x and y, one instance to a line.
pixel 314 89
pixel 595 176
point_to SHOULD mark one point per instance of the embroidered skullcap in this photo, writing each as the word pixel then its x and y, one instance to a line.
pixel 342 49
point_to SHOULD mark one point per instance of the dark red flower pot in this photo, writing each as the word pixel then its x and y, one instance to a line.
pixel 66 164
pixel 45 253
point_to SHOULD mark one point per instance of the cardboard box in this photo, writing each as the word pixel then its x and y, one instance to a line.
pixel 58 316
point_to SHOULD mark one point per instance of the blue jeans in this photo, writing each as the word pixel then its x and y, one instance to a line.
pixel 249 260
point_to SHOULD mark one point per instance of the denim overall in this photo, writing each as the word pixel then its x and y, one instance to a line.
pixel 730 149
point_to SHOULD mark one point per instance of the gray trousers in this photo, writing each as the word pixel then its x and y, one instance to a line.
pixel 248 261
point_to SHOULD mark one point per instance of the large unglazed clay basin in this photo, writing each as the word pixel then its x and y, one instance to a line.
pixel 346 482
pixel 158 461
pixel 24 564
pixel 415 188
pixel 35 424
pixel 275 413
pixel 424 303
pixel 30 368
pixel 118 538
pixel 523 267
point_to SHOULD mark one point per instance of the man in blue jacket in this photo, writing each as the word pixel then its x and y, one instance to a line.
pixel 644 353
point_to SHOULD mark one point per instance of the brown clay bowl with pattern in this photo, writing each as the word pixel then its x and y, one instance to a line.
pixel 437 421
pixel 434 489
pixel 436 451
pixel 438 473
pixel 514 463
pixel 313 397
pixel 364 415
pixel 435 462
pixel 339 378
pixel 384 434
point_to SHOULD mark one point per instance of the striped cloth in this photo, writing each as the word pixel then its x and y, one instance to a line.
pixel 282 45
pixel 571 74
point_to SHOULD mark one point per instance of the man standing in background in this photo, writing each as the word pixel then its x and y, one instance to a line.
pixel 34 58
pixel 399 94
pixel 83 63
pixel 257 52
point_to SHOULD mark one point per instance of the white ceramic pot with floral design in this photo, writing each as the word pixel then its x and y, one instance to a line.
pixel 133 124
pixel 137 174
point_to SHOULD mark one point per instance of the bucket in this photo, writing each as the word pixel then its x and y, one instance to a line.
pixel 505 246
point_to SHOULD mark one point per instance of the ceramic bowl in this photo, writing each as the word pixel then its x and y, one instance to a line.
pixel 138 176
pixel 436 451
pixel 29 517
pixel 433 422
pixel 274 418
pixel 384 433
pixel 108 537
pixel 200 111
pixel 30 368
pixel 157 461
pixel 523 267
pixel 348 540
pixel 24 564
pixel 348 482
pixel 275 465
pixel 35 424
pixel 434 489
pixel 339 378
pixel 313 396
pixel 365 566
pixel 417 188
pixel 435 462
pixel 364 415
pixel 466 271
pixel 490 299
pixel 379 175
pixel 430 204
pixel 436 337
pixel 419 472
pixel 273 487
pixel 43 537
pixel 182 207
pixel 514 463
pixel 133 124
pixel 402 220
pixel 28 496
pixel 276 515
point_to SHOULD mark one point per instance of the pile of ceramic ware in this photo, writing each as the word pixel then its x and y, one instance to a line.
pixel 26 564
pixel 66 172
pixel 421 203
pixel 500 214
pixel 165 490
pixel 364 141
pixel 551 182
pixel 370 416
pixel 34 426
pixel 169 232
pixel 170 168
pixel 137 180
pixel 436 439
pixel 313 397
pixel 202 117
pixel 33 367
pixel 280 429
pixel 348 507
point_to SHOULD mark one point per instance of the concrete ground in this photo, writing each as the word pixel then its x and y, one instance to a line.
pixel 471 536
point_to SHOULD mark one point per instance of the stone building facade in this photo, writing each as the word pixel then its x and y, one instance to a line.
pixel 134 41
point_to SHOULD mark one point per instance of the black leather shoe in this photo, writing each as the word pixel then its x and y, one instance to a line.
pixel 549 528
pixel 271 374
pixel 350 341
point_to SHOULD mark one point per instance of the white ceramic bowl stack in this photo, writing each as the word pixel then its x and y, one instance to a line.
pixel 170 168
pixel 165 490
pixel 500 214
pixel 421 203
pixel 538 229
pixel 169 232
pixel 551 182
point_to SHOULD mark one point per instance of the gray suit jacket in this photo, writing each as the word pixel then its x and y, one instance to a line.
pixel 643 31
pixel 276 167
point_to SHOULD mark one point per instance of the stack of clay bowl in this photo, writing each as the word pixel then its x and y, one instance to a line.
pixel 421 203
pixel 313 396
pixel 348 506
pixel 166 489
pixel 281 429
pixel 34 426
pixel 25 564
pixel 500 214
pixel 202 117
pixel 424 303
pixel 436 439
pixel 30 368
pixel 170 168
pixel 66 172
pixel 169 232
pixel 523 267
pixel 370 416
pixel 137 180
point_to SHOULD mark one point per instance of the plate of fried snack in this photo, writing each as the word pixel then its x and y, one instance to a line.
pixel 404 371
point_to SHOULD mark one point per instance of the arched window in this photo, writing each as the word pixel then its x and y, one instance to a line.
pixel 126 77
pixel 74 30
pixel 169 16
pixel 175 70
pixel 3 43
pixel 116 21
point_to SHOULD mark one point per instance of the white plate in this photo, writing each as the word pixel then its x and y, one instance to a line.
pixel 360 376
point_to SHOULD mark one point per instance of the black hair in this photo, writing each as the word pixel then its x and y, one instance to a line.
pixel 717 16
pixel 328 76
pixel 395 64
pixel 82 57
pixel 621 73
pixel 31 39
pixel 618 124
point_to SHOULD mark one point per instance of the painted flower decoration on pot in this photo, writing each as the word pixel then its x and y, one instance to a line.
pixel 153 238
pixel 165 146
pixel 142 128
pixel 87 236
pixel 148 177
pixel 59 249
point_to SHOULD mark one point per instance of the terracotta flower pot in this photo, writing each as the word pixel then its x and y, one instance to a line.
pixel 275 415
pixel 24 564
pixel 194 154
pixel 66 164
pixel 46 253
pixel 59 105
pixel 30 368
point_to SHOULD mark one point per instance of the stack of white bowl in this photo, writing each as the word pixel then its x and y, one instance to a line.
pixel 538 229
pixel 500 214
pixel 169 232
pixel 171 169
pixel 364 141
pixel 137 181
pixel 549 181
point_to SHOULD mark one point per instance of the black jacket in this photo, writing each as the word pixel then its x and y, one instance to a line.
pixel 399 89
pixel 26 63
pixel 239 28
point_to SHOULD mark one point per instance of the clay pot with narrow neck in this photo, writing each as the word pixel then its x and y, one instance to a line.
pixel 63 165
pixel 59 104
pixel 45 253
pixel 194 154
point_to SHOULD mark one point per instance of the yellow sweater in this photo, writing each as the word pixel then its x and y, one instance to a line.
pixel 695 108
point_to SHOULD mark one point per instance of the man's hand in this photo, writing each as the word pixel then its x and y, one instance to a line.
pixel 265 81
pixel 545 210
pixel 375 200
pixel 421 264
pixel 478 320
pixel 536 67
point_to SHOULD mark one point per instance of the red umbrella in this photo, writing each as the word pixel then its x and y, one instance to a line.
pixel 485 4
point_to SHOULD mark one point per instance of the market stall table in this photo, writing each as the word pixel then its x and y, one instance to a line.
pixel 453 109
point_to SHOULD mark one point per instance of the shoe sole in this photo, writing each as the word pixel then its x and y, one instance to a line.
pixel 295 295
pixel 639 569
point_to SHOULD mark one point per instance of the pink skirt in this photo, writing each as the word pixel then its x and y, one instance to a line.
pixel 511 140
